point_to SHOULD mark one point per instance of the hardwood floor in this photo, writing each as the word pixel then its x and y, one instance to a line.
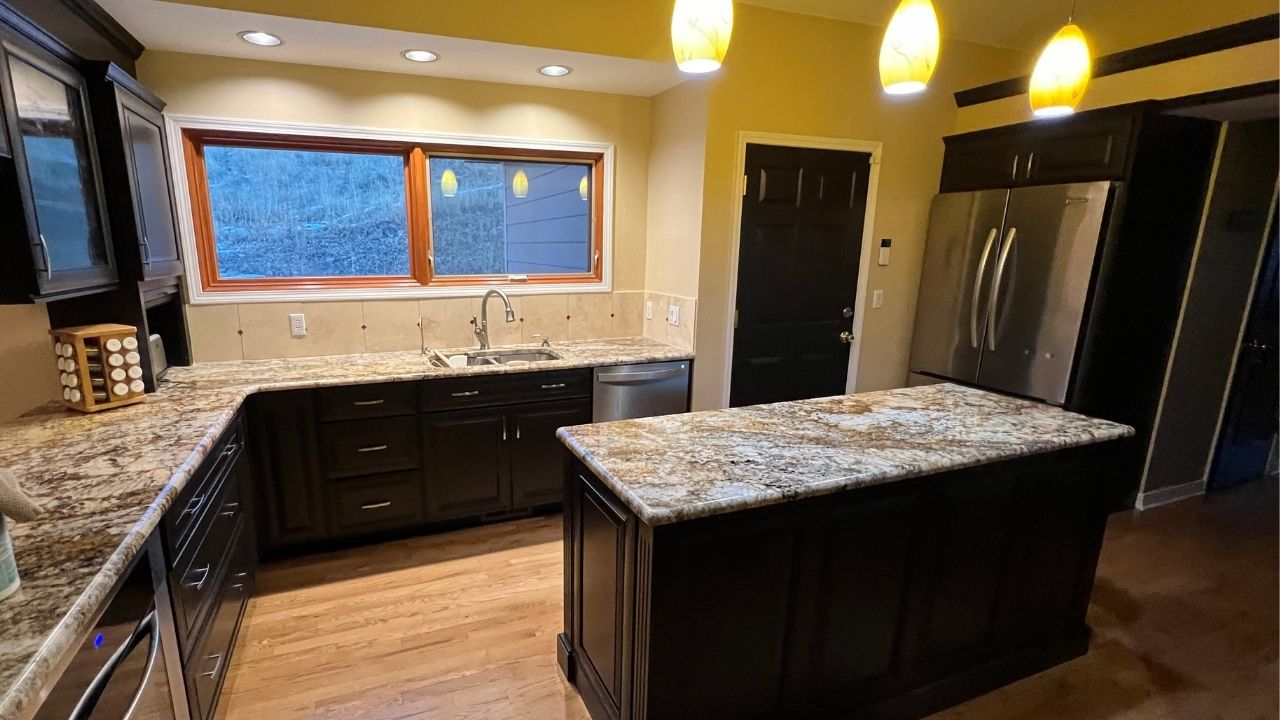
pixel 463 625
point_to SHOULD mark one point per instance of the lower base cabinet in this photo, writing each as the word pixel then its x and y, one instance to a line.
pixel 467 469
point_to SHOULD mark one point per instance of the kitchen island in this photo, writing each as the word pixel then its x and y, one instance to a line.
pixel 877 555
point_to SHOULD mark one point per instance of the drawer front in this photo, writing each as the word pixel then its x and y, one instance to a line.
pixel 192 503
pixel 489 390
pixel 379 503
pixel 206 668
pixel 367 401
pixel 365 447
pixel 194 583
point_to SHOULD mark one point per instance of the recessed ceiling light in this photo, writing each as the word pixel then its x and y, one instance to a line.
pixel 555 70
pixel 257 37
pixel 420 55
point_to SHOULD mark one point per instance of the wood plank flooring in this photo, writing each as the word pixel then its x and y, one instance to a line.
pixel 462 626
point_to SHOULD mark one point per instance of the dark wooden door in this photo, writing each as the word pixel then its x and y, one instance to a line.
pixel 142 127
pixel 287 469
pixel 1249 424
pixel 802 218
pixel 537 456
pixel 466 457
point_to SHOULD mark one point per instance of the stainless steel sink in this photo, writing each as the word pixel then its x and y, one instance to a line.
pixel 496 357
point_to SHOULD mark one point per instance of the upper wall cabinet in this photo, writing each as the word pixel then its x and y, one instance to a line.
pixel 1089 146
pixel 57 243
pixel 139 187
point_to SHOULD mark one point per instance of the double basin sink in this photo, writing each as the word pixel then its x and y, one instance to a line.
pixel 498 356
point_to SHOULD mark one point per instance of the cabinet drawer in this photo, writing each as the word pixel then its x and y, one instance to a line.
pixel 367 401
pixel 550 385
pixel 378 503
pixel 364 447
pixel 206 668
pixel 489 390
pixel 194 582
pixel 192 503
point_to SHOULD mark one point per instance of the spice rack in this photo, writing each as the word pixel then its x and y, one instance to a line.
pixel 99 366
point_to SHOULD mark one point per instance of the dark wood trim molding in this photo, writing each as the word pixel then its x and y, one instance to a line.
pixel 100 20
pixel 1247 32
pixel 1239 92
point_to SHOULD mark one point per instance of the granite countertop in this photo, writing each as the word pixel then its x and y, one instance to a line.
pixel 106 479
pixel 681 467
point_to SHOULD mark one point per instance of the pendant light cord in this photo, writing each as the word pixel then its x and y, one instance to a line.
pixel 1072 16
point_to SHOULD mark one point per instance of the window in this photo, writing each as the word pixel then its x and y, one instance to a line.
pixel 276 212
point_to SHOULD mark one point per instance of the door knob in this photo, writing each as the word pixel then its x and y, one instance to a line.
pixel 847 312
pixel 846 337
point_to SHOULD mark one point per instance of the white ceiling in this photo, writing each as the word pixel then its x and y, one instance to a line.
pixel 210 31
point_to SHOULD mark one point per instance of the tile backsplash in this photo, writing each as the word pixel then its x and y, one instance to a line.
pixel 255 331
pixel 657 327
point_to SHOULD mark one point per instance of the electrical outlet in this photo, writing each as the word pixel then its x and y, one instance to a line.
pixel 877 299
pixel 298 325
pixel 648 309
pixel 673 314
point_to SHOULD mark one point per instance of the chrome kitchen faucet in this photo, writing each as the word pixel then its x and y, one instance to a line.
pixel 482 326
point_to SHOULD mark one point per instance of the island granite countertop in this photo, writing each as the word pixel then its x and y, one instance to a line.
pixel 682 467
pixel 106 479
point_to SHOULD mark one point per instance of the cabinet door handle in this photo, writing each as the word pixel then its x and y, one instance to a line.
pixel 372 448
pixel 1030 158
pixel 465 393
pixel 517 431
pixel 198 585
pixel 504 428
pixel 145 246
pixel 366 403
pixel 376 505
pixel 1014 173
pixel 44 252
pixel 217 665
pixel 553 386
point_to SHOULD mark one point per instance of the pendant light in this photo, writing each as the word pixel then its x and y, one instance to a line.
pixel 584 188
pixel 448 183
pixel 909 51
pixel 520 184
pixel 1062 73
pixel 700 31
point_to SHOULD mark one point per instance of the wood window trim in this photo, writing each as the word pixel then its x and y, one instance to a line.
pixel 418 211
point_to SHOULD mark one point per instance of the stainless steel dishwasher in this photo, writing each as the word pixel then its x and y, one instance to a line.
pixel 635 391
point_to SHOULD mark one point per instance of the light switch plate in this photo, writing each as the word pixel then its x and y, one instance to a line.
pixel 877 299
pixel 298 325
pixel 648 309
pixel 673 314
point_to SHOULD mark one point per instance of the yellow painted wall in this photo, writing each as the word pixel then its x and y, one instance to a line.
pixel 676 165
pixel 804 75
pixel 31 377
pixel 1245 65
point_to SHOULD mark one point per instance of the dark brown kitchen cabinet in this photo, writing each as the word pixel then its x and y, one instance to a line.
pixel 466 466
pixel 292 507
pixel 53 181
pixel 1094 145
pixel 131 137
pixel 537 455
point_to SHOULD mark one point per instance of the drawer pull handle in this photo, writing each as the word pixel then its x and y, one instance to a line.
pixel 230 449
pixel 217 665
pixel 198 585
pixel 193 507
pixel 553 386
pixel 366 403
pixel 230 509
pixel 465 393
pixel 372 448
pixel 376 505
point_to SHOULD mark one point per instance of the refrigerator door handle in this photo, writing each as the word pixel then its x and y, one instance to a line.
pixel 994 304
pixel 977 287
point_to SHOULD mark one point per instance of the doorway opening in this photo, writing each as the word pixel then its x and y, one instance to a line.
pixel 799 270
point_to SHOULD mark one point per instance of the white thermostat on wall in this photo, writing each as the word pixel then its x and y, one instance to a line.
pixel 885 245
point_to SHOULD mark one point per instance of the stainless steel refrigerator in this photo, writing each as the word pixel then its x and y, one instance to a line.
pixel 1006 280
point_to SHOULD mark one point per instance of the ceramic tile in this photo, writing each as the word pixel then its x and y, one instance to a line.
pixel 447 321
pixel 502 332
pixel 655 328
pixel 590 316
pixel 266 331
pixel 682 335
pixel 334 328
pixel 215 332
pixel 544 314
pixel 628 314
pixel 391 325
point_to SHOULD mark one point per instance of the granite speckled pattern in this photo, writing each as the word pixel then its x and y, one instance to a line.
pixel 682 467
pixel 106 479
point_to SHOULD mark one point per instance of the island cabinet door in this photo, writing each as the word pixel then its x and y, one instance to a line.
pixel 287 468
pixel 466 462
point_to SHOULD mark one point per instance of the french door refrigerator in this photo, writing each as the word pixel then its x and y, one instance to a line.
pixel 1005 283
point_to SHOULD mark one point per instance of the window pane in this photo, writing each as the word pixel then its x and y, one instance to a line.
pixel 303 213
pixel 495 217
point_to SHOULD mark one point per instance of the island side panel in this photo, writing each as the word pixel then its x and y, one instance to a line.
pixel 895 600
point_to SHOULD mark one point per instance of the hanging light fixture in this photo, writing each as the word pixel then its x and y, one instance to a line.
pixel 584 188
pixel 448 183
pixel 700 31
pixel 909 52
pixel 520 184
pixel 1062 73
